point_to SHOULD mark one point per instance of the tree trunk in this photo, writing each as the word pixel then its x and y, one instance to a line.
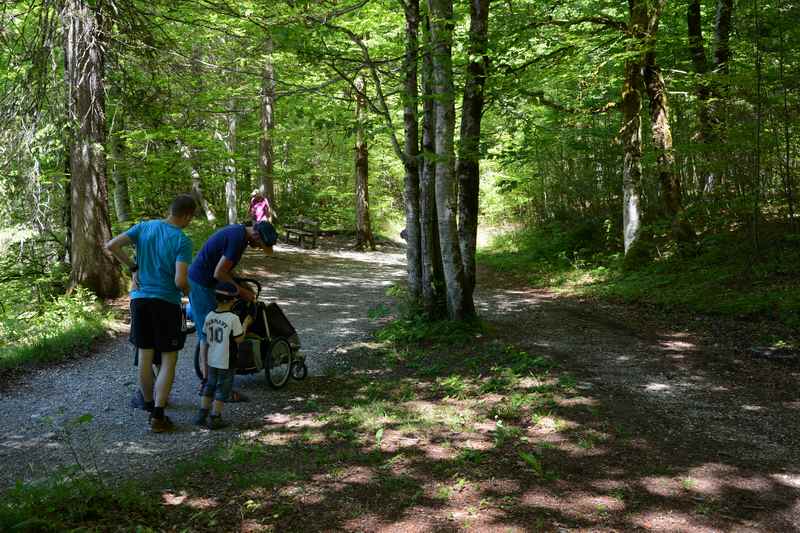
pixel 266 160
pixel 631 134
pixel 364 238
pixel 84 42
pixel 230 168
pixel 411 183
pixel 459 302
pixel 203 206
pixel 122 200
pixel 682 231
pixel 468 169
pixel 432 270
pixel 710 91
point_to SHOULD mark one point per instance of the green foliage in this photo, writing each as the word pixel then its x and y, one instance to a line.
pixel 418 329
pixel 743 281
pixel 51 331
pixel 63 503
pixel 38 322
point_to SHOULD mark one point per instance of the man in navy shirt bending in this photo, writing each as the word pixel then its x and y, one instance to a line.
pixel 215 263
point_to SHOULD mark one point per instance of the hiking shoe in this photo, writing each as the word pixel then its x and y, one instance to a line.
pixel 161 425
pixel 216 422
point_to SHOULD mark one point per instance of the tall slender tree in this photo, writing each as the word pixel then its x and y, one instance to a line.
pixel 459 301
pixel 85 30
pixel 468 168
pixel 364 237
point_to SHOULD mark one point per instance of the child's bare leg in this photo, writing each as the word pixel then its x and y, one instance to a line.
pixel 217 410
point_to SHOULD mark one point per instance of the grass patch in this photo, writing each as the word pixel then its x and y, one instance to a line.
pixel 49 331
pixel 64 503
pixel 725 277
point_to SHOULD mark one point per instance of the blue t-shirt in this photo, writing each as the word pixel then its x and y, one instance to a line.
pixel 159 245
pixel 229 241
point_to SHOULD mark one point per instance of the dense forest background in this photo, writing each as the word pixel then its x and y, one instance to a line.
pixel 611 137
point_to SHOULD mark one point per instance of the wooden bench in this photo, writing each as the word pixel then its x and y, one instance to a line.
pixel 303 229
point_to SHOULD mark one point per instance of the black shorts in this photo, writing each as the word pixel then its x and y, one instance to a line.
pixel 156 325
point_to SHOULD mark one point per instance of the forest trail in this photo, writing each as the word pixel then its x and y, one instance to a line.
pixel 676 420
pixel 696 433
pixel 326 294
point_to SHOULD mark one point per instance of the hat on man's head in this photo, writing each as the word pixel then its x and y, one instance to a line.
pixel 267 232
pixel 226 289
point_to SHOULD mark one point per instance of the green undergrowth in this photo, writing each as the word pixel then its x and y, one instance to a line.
pixel 726 276
pixel 65 502
pixel 376 422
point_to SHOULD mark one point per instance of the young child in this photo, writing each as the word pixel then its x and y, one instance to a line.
pixel 224 331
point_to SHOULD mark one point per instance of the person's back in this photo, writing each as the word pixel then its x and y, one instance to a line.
pixel 159 245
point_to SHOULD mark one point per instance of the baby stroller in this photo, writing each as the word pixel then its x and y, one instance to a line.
pixel 271 343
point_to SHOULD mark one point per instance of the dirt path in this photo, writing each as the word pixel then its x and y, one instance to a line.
pixel 326 293
pixel 710 435
pixel 671 427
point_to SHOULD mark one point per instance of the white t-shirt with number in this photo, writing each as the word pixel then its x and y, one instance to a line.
pixel 220 329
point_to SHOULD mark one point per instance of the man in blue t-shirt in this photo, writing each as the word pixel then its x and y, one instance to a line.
pixel 160 277
pixel 214 264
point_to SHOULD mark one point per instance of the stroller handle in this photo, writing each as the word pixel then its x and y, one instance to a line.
pixel 249 280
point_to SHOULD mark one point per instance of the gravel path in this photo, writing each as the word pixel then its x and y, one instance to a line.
pixel 326 293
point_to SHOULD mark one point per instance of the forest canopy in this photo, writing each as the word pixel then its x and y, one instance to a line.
pixel 650 127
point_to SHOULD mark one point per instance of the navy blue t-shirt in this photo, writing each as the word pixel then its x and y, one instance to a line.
pixel 229 241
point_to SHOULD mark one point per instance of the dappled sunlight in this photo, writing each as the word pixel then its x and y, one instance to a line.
pixel 658 387
pixel 672 521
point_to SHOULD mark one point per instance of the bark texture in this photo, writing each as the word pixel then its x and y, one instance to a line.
pixel 459 302
pixel 266 159
pixel 468 168
pixel 230 168
pixel 432 269
pixel 364 238
pixel 84 41
pixel 122 200
pixel 631 136
pixel 411 183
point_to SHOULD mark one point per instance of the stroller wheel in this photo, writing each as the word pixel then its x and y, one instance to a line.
pixel 299 370
pixel 278 367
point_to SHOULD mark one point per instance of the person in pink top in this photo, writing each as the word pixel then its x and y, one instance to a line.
pixel 259 208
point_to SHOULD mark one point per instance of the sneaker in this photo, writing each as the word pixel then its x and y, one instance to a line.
pixel 216 422
pixel 161 425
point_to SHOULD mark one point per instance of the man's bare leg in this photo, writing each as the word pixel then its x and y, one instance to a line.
pixel 146 373
pixel 166 376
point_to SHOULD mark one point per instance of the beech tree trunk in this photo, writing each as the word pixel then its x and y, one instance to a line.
pixel 364 238
pixel 411 183
pixel 468 169
pixel 122 200
pixel 84 42
pixel 230 168
pixel 682 231
pixel 710 88
pixel 266 151
pixel 432 270
pixel 459 301
pixel 631 136
pixel 203 207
